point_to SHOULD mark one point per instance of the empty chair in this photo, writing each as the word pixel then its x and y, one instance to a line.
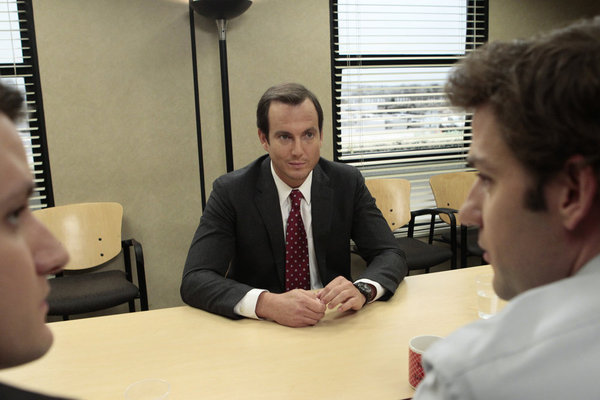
pixel 91 233
pixel 450 191
pixel 392 196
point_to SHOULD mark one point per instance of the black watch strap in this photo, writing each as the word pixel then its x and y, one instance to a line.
pixel 366 290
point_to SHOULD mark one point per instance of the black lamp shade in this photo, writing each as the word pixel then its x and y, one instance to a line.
pixel 220 9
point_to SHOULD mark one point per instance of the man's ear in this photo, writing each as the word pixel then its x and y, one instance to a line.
pixel 264 140
pixel 579 188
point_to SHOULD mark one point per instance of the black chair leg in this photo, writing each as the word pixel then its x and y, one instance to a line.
pixel 463 246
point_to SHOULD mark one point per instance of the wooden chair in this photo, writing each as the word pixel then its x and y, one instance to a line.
pixel 392 197
pixel 91 233
pixel 450 191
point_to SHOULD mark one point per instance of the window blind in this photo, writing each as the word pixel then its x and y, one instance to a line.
pixel 18 67
pixel 390 60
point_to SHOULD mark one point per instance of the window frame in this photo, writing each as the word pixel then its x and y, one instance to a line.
pixel 400 165
pixel 28 70
pixel 388 60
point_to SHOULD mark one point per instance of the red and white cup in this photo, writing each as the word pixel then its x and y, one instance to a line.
pixel 416 347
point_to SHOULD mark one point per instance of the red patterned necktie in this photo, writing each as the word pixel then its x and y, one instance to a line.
pixel 297 272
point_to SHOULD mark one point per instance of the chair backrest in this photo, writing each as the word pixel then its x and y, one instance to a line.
pixel 91 232
pixel 392 197
pixel 450 190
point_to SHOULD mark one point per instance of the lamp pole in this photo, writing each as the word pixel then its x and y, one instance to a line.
pixel 221 11
pixel 222 27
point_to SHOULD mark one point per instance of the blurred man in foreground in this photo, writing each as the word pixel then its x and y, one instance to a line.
pixel 28 253
pixel 536 145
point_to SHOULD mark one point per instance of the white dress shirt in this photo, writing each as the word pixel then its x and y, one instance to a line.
pixel 543 345
pixel 246 307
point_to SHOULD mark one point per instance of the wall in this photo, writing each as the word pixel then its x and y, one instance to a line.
pixel 119 104
pixel 510 19
pixel 119 101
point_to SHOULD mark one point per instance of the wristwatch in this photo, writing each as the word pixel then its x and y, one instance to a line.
pixel 366 290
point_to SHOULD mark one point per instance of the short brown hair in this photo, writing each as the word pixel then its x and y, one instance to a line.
pixel 11 102
pixel 545 94
pixel 287 93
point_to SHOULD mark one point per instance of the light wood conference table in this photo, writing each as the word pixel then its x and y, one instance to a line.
pixel 355 355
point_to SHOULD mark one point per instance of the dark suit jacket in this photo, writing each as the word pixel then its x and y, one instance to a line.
pixel 13 393
pixel 239 244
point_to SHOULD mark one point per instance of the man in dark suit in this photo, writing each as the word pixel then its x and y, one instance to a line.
pixel 236 265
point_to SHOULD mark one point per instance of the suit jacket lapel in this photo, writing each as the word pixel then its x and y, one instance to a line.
pixel 267 203
pixel 322 209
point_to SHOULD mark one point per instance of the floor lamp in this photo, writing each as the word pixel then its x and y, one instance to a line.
pixel 221 11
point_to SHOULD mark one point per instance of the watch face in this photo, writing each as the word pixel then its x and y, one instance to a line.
pixel 365 290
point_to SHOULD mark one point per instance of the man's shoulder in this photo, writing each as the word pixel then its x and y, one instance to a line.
pixel 245 176
pixel 539 333
pixel 336 170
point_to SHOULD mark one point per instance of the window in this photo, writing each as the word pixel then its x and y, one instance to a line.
pixel 18 67
pixel 390 60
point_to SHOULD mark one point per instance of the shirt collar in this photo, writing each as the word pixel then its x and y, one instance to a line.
pixel 284 190
pixel 591 267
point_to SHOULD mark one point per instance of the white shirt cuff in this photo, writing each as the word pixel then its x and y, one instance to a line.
pixel 246 307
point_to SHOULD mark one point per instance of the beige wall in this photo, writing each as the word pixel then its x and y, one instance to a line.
pixel 511 19
pixel 119 102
